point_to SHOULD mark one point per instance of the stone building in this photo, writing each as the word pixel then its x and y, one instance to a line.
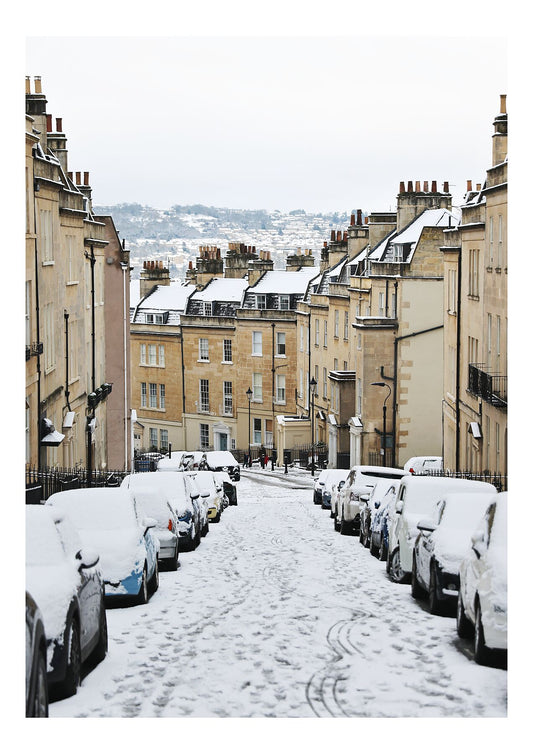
pixel 67 383
pixel 475 323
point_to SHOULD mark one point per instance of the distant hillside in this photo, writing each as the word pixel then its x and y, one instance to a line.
pixel 174 235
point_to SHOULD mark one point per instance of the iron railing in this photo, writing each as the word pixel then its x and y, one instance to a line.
pixel 40 484
pixel 495 478
pixel 490 387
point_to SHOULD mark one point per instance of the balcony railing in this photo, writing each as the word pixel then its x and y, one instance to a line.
pixel 490 387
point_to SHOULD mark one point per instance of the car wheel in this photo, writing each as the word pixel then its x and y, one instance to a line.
pixel 205 530
pixel 361 536
pixel 72 680
pixel 100 650
pixel 344 528
pixel 373 548
pixel 416 590
pixel 396 571
pixel 38 706
pixel 435 605
pixel 216 518
pixel 142 597
pixel 464 628
pixel 482 654
pixel 153 584
pixel 382 551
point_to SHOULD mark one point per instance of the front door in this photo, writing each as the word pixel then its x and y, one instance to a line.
pixel 223 441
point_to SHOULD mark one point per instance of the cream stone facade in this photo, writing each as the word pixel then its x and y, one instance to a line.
pixel 475 347
pixel 65 303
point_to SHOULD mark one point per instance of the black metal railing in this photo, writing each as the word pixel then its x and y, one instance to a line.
pixel 490 387
pixel 40 484
pixel 495 478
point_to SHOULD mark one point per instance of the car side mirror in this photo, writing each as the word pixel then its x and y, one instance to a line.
pixel 341 485
pixel 204 492
pixel 149 523
pixel 426 524
pixel 377 504
pixel 88 558
pixel 478 543
pixel 364 498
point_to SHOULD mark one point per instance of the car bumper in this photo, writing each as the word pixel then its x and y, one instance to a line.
pixel 351 511
pixel 127 586
pixel 212 513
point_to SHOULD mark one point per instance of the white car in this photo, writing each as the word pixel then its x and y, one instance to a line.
pixel 361 481
pixel 379 528
pixel 384 489
pixel 443 542
pixel 319 486
pixel 166 530
pixel 211 491
pixel 482 600
pixel 415 500
pixel 423 464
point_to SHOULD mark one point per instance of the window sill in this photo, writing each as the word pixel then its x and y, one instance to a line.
pixel 280 355
pixel 257 354
pixel 203 361
pixel 226 362
pixel 72 282
pixel 49 263
pixel 452 313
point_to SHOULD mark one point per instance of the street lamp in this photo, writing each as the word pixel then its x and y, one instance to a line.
pixel 249 394
pixel 312 385
pixel 384 437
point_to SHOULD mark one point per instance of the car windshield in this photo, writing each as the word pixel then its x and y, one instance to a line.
pixel 205 479
pixel 498 532
pixel 154 505
pixel 464 512
pixel 95 514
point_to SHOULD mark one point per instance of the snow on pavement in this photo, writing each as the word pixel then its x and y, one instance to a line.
pixel 277 615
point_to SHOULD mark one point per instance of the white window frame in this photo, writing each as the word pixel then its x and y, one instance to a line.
pixel 325 382
pixel 161 356
pixel 228 398
pixel 280 388
pixel 260 301
pixel 152 355
pixel 227 350
pixel 257 433
pixel 281 346
pixel 204 435
pixel 203 392
pixel 208 308
pixel 257 387
pixel 346 325
pixel 336 324
pixel 152 395
pixel 203 349
pixel 142 357
pixel 162 397
pixel 163 440
pixel 153 437
pixel 144 403
pixel 257 343
pixel 284 302
pixel 325 333
pixel 47 236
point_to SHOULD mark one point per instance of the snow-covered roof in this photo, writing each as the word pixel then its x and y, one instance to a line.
pixel 222 289
pixel 283 281
pixel 166 297
pixel 410 235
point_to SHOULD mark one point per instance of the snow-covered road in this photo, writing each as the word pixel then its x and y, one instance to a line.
pixel 276 615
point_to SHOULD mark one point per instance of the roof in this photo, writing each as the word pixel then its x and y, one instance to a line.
pixel 284 281
pixel 410 235
pixel 222 289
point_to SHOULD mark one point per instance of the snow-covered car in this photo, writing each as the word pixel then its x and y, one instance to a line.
pixel 184 498
pixel 415 500
pixel 147 461
pixel 170 462
pixel 113 523
pixel 36 675
pixel 157 507
pixel 361 481
pixel 423 464
pixel 482 599
pixel 228 487
pixel 336 488
pixel 193 461
pixel 223 460
pixel 332 478
pixel 211 491
pixel 64 580
pixel 385 488
pixel 318 487
pixel 442 544
pixel 379 527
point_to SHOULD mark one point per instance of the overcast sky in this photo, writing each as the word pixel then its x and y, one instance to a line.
pixel 319 123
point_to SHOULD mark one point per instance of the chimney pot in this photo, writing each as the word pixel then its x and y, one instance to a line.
pixel 86 179
pixel 352 219
pixel 366 220
pixel 190 265
pixel 69 174
pixel 503 103
pixel 359 217
pixel 339 235
pixel 332 239
pixel 78 178
pixel 417 186
pixel 144 264
pixel 433 187
pixel 345 235
pixel 402 187
pixel 426 186
pixel 59 125
pixel 469 185
pixel 478 186
pixel 28 85
pixel 409 187
pixel 446 187
pixel 49 123
pixel 38 89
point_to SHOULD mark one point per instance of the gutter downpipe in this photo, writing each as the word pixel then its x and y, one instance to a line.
pixel 183 391
pixel 67 392
pixel 458 366
pixel 125 354
pixel 37 326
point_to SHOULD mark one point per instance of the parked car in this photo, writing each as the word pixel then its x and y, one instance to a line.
pixel 336 488
pixel 223 460
pixel 36 675
pixel 482 599
pixel 333 477
pixel 184 498
pixel 147 461
pixel 361 480
pixel 63 578
pixel 210 490
pixel 157 507
pixel 170 462
pixel 229 488
pixel 319 486
pixel 113 523
pixel 193 461
pixel 370 506
pixel 379 527
pixel 442 544
pixel 423 464
pixel 416 497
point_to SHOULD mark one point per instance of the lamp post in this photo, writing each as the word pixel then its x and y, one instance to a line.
pixel 312 385
pixel 384 437
pixel 249 394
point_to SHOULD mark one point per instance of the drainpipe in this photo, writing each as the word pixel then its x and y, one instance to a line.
pixel 67 392
pixel 124 268
pixel 458 367
pixel 183 391
pixel 91 414
pixel 37 323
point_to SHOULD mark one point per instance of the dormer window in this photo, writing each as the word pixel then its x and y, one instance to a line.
pixel 284 302
pixel 156 319
pixel 261 301
pixel 208 308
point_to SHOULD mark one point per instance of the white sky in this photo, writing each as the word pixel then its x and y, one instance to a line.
pixel 320 123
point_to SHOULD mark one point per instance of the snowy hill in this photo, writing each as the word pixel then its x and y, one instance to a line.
pixel 174 235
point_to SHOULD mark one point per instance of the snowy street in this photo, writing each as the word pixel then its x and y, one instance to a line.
pixel 277 615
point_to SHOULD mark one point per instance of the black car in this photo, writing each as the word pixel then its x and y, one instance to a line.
pixel 36 677
pixel 223 460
